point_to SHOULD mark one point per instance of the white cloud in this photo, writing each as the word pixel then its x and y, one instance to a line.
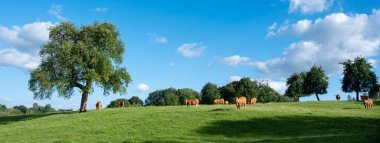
pixel 158 39
pixel 101 9
pixel 190 50
pixel 22 44
pixel 142 87
pixel 235 60
pixel 309 6
pixel 327 42
pixel 235 78
pixel 56 10
pixel 279 86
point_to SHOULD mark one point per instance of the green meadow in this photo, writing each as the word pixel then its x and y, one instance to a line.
pixel 328 121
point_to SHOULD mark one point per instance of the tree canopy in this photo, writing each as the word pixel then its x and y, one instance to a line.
pixel 358 77
pixel 316 81
pixel 171 96
pixel 295 86
pixel 135 101
pixel 209 92
pixel 78 57
pixel 116 103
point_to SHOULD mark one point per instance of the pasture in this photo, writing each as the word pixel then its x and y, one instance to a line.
pixel 328 121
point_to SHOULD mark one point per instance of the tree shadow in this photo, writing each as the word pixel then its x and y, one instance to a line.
pixel 296 129
pixel 376 102
pixel 17 118
pixel 221 110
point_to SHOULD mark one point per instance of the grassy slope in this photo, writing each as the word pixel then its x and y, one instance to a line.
pixel 282 122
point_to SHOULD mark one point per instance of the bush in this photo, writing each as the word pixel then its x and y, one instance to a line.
pixel 116 103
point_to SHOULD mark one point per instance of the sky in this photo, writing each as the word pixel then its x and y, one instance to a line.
pixel 185 44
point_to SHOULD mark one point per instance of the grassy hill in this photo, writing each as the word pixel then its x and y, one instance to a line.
pixel 271 122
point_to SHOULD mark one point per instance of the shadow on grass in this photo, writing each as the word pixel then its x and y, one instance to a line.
pixel 296 129
pixel 221 110
pixel 16 118
pixel 376 102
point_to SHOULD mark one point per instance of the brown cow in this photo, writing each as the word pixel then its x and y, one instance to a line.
pixel 225 102
pixel 240 102
pixel 190 102
pixel 253 101
pixel 121 104
pixel 219 101
pixel 98 105
pixel 337 97
pixel 368 103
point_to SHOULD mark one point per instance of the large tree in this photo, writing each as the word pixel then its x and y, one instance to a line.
pixel 78 57
pixel 316 81
pixel 209 93
pixel 295 86
pixel 358 77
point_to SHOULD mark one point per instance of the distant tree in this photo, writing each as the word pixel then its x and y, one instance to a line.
pixel 35 109
pixel 246 87
pixel 22 108
pixel 186 93
pixel 48 108
pixel 135 101
pixel 374 92
pixel 228 92
pixel 116 103
pixel 170 96
pixel 209 92
pixel 295 86
pixel 267 94
pixel 358 77
pixel 77 57
pixel 3 108
pixel 316 81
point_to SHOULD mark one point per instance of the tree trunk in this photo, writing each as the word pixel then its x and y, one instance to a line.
pixel 83 102
pixel 317 96
pixel 357 96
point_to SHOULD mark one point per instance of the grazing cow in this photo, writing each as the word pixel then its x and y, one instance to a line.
pixel 253 101
pixel 225 102
pixel 98 105
pixel 121 104
pixel 240 102
pixel 337 97
pixel 219 101
pixel 190 102
pixel 368 103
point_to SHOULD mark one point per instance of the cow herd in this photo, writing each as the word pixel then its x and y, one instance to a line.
pixel 240 102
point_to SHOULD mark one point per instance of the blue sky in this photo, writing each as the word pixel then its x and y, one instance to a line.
pixel 185 44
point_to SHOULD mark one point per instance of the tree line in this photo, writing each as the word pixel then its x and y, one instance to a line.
pixel 244 87
pixel 22 109
pixel 357 77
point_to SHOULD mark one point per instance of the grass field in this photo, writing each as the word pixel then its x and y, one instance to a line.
pixel 271 122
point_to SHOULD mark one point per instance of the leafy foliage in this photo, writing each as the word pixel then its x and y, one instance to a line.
pixel 171 96
pixel 135 101
pixel 116 103
pixel 316 81
pixel 295 86
pixel 209 92
pixel 21 108
pixel 77 57
pixel 358 77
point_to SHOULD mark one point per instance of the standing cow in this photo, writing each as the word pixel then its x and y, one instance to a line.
pixel 98 105
pixel 190 102
pixel 337 97
pixel 121 104
pixel 253 101
pixel 240 102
